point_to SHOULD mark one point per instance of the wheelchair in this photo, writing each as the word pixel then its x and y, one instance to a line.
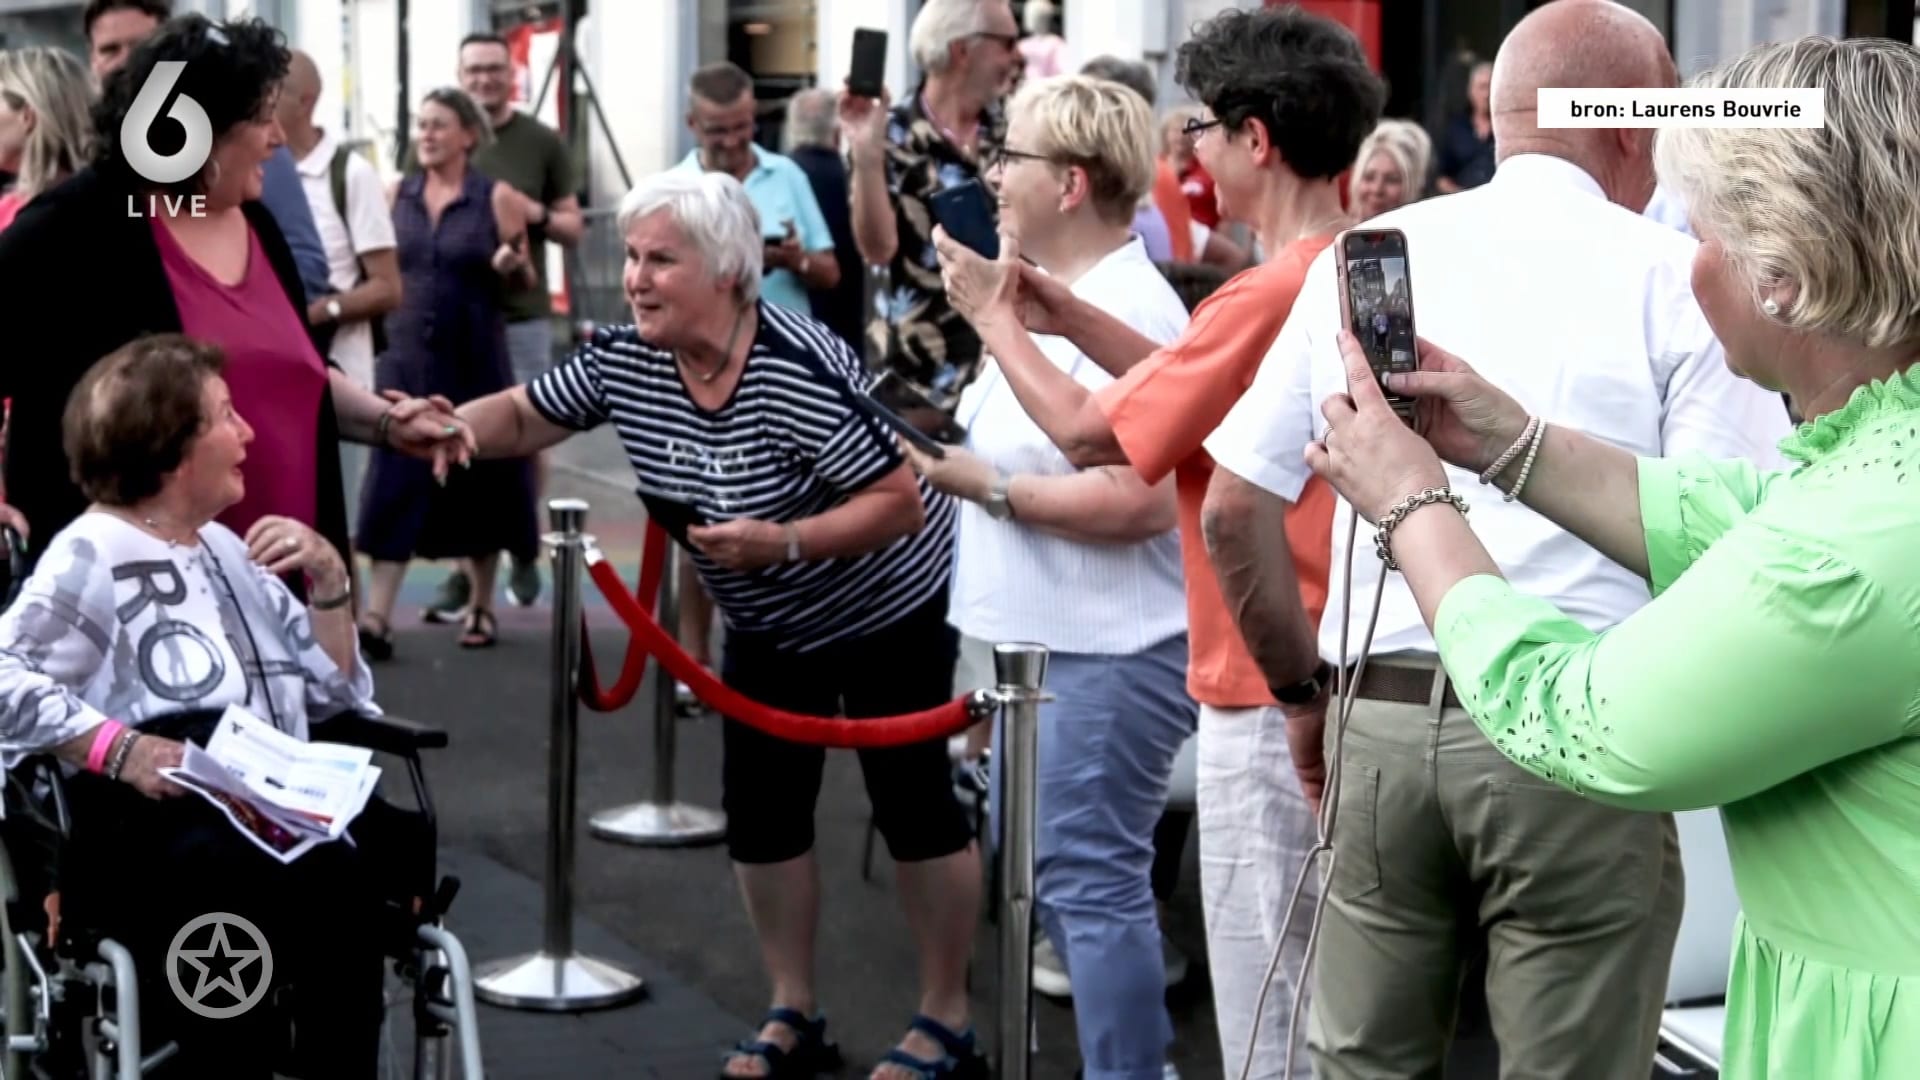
pixel 70 997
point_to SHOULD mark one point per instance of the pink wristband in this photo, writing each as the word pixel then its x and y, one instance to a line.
pixel 103 742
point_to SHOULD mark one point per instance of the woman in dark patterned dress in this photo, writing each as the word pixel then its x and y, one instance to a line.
pixel 461 237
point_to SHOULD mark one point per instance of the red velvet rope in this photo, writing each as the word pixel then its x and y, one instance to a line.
pixel 653 562
pixel 648 636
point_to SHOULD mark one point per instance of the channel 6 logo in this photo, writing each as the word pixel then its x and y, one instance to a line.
pixel 137 128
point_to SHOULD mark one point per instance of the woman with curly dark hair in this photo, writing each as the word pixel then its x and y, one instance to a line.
pixel 164 233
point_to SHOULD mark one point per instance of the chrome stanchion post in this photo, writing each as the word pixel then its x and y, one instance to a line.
pixel 1021 670
pixel 662 821
pixel 556 978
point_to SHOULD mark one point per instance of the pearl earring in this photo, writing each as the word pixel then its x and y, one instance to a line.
pixel 1770 306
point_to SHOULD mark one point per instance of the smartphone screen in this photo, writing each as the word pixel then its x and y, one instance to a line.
pixel 869 70
pixel 966 212
pixel 1377 293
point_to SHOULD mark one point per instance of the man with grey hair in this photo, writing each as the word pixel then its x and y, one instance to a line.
pixel 947 133
pixel 813 142
pixel 1574 904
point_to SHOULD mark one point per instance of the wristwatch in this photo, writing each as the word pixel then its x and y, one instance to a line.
pixel 333 310
pixel 1308 690
pixel 999 504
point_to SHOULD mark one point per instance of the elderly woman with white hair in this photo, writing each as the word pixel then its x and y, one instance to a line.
pixel 829 563
pixel 1774 673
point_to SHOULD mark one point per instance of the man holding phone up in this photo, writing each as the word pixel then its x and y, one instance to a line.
pixel 721 113
pixel 945 135
pixel 1560 293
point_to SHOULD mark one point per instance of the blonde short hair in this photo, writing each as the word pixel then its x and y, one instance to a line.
pixel 1408 144
pixel 54 84
pixel 1827 211
pixel 1099 125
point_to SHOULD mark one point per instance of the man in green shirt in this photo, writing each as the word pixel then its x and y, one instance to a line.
pixel 532 159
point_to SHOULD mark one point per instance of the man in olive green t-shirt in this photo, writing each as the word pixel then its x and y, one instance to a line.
pixel 532 159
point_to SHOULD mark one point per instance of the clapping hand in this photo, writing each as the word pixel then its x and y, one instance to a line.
pixel 987 292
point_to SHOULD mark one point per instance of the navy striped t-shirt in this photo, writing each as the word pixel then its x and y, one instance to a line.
pixel 788 444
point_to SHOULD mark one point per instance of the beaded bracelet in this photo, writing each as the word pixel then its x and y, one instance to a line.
pixel 1383 540
pixel 1526 467
pixel 1500 465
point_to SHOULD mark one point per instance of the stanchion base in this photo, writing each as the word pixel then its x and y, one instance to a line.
pixel 651 824
pixel 548 983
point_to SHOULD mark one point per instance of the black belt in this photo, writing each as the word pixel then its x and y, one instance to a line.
pixel 1406 684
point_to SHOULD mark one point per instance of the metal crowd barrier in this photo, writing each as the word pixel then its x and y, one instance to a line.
pixel 557 978
pixel 662 821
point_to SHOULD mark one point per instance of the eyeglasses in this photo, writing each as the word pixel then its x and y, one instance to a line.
pixel 1007 155
pixel 1195 127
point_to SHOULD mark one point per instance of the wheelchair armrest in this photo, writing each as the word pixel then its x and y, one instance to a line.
pixel 383 734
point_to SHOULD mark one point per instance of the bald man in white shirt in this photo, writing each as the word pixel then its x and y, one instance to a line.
pixel 1560 290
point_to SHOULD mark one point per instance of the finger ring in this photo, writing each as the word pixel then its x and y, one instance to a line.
pixel 290 543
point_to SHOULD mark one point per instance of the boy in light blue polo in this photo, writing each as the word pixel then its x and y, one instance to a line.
pixel 799 252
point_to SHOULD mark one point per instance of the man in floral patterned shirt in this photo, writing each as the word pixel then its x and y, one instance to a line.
pixel 947 133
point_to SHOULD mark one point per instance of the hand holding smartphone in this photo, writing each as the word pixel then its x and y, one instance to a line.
pixel 966 211
pixel 868 73
pixel 1376 304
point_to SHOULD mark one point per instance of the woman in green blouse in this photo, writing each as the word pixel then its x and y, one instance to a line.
pixel 1776 674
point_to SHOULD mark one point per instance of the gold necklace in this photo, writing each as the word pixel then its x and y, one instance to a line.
pixel 726 357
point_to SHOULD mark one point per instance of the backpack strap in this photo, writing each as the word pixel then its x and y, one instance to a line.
pixel 337 179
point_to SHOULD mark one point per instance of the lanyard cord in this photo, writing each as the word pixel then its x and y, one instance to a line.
pixel 1329 801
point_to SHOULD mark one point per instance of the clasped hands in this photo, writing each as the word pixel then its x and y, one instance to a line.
pixel 428 427
pixel 1374 460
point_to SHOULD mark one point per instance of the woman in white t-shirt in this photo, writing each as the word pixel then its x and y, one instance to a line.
pixel 1087 562
pixel 143 620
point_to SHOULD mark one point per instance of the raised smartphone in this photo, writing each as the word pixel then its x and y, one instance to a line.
pixel 868 74
pixel 966 212
pixel 1376 303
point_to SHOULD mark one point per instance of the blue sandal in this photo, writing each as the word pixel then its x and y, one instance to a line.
pixel 811 1054
pixel 963 1060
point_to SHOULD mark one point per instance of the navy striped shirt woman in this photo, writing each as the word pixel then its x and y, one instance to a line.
pixel 827 557
pixel 787 445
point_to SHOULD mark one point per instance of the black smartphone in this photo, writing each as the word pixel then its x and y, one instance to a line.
pixel 868 75
pixel 921 441
pixel 895 392
pixel 966 212
pixel 1376 303
pixel 672 515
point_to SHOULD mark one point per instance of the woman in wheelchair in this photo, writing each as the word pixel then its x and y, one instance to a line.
pixel 143 620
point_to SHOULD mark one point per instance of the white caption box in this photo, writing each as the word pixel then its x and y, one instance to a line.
pixel 1630 107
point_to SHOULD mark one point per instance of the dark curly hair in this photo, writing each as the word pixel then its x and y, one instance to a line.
pixel 134 415
pixel 1304 77
pixel 232 70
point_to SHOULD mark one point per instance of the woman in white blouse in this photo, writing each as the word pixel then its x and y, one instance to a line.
pixel 145 618
pixel 1088 563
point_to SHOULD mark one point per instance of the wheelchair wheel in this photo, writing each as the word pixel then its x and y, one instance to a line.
pixel 15 996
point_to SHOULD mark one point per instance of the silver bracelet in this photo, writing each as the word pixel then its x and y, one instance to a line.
pixel 118 760
pixel 1383 540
